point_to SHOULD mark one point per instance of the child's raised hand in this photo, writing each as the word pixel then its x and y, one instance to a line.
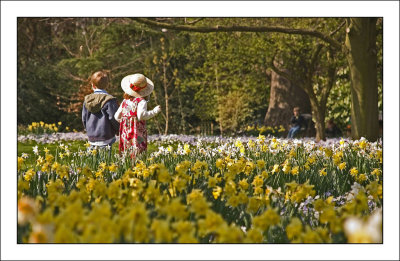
pixel 157 109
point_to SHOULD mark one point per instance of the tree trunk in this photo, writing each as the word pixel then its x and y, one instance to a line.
pixel 319 107
pixel 284 97
pixel 319 115
pixel 362 58
pixel 219 111
pixel 182 124
pixel 166 98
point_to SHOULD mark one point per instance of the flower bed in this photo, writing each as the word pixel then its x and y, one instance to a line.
pixel 205 190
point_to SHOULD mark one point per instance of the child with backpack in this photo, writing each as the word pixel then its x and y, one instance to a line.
pixel 133 114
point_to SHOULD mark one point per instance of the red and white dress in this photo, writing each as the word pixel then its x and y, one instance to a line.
pixel 132 115
pixel 132 132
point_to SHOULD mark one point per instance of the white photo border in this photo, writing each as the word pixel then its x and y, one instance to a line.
pixel 11 10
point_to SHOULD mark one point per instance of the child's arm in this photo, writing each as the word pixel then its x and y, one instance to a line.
pixel 84 113
pixel 142 112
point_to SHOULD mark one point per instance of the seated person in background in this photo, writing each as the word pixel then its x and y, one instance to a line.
pixel 296 122
pixel 332 130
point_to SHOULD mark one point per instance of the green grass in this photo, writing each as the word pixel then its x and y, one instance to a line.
pixel 74 146
pixel 27 147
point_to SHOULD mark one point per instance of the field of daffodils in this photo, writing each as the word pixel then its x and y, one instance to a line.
pixel 202 190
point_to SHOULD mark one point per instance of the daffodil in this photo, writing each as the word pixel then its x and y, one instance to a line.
pixel 219 163
pixel 376 172
pixel 311 159
pixel 243 184
pixel 29 175
pixel 186 148
pixel 216 192
pixel 103 165
pixel 292 153
pixel 311 236
pixel 358 231
pixel 260 164
pixel 353 171
pixel 113 167
pixel 294 229
pixel 184 228
pixel 266 219
pixel 286 168
pixel 328 152
pixel 20 161
pixel 251 144
pixel 233 201
pixel 229 234
pixel 253 205
pixel 254 235
pixel 230 188
pixel 261 139
pixel 362 144
pixel 264 174
pixel 295 170
pixel 361 178
pixel 342 165
pixel 375 189
pixel 46 167
pixel 323 172
pixel 258 181
pixel 170 148
pixel 275 169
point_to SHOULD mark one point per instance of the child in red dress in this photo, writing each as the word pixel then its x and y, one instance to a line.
pixel 132 114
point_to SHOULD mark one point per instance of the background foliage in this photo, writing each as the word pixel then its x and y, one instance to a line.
pixel 207 82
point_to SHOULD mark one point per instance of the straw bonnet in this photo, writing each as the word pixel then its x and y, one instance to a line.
pixel 137 85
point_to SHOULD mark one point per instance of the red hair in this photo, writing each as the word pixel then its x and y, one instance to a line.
pixel 128 97
pixel 99 79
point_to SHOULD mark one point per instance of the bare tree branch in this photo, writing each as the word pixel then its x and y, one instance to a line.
pixel 314 60
pixel 66 48
pixel 278 71
pixel 76 78
pixel 173 91
pixel 194 22
pixel 104 27
pixel 331 80
pixel 337 29
pixel 170 81
pixel 237 28
pixel 156 100
pixel 87 44
pixel 124 65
